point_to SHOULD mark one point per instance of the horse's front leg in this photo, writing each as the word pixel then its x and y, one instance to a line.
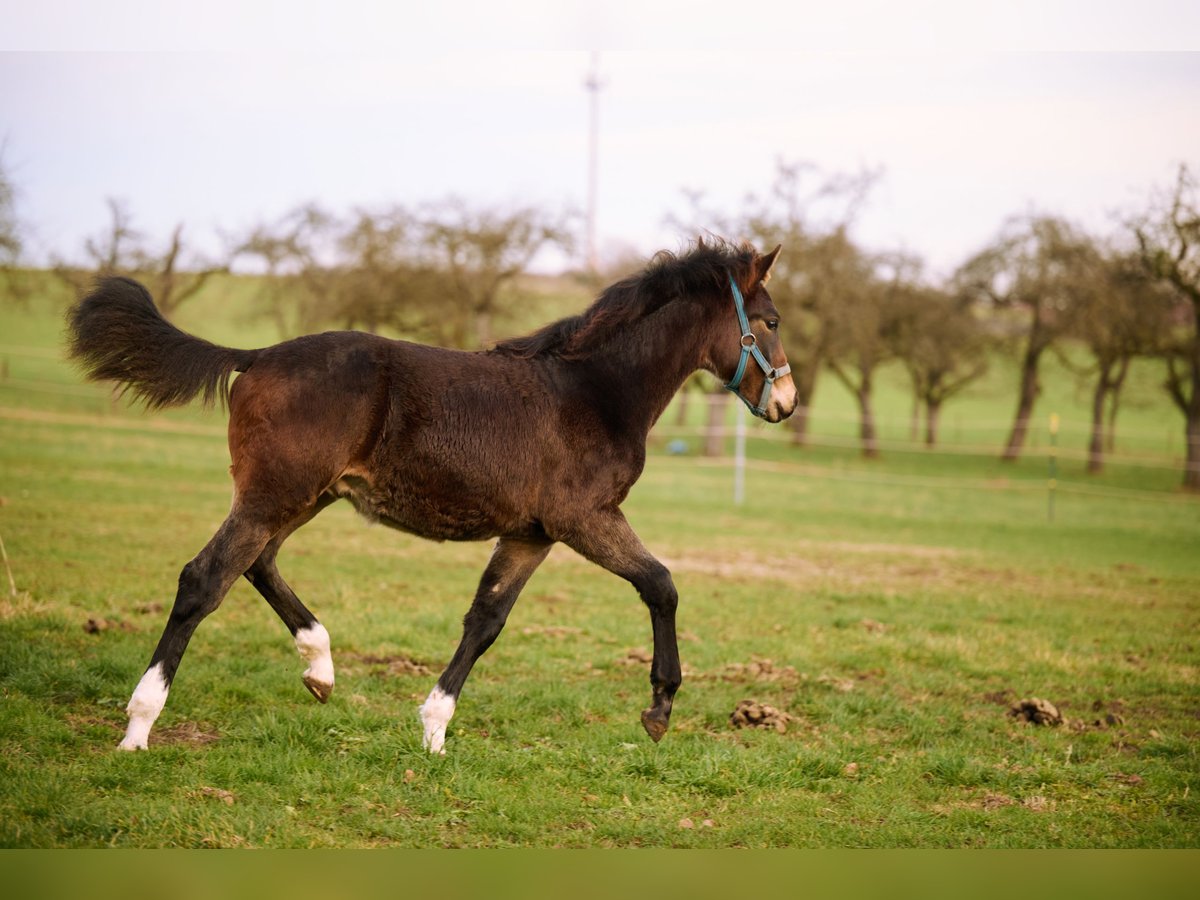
pixel 512 563
pixel 611 543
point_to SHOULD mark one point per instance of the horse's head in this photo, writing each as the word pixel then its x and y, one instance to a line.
pixel 748 354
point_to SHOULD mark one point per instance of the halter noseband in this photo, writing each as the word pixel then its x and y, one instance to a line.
pixel 750 348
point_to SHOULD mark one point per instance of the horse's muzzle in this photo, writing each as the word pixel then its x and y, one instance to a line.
pixel 783 400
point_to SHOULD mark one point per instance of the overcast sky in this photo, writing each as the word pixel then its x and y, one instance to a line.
pixel 222 140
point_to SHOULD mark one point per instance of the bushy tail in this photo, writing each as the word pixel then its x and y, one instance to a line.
pixel 117 333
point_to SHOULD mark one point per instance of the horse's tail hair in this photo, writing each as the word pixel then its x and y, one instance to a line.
pixel 117 333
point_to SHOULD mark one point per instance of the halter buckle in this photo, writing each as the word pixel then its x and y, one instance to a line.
pixel 749 339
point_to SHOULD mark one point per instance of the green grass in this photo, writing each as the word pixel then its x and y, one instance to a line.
pixel 903 606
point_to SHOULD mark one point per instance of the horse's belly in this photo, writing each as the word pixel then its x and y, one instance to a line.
pixel 436 515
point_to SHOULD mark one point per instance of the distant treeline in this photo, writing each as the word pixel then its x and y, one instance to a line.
pixel 448 273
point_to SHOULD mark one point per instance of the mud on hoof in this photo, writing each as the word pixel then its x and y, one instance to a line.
pixel 655 723
pixel 319 689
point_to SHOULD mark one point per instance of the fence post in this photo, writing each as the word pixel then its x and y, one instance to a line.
pixel 739 461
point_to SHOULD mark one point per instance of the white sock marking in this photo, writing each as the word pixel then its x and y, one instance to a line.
pixel 436 712
pixel 147 702
pixel 313 644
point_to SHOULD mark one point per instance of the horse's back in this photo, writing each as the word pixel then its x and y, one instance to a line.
pixel 443 443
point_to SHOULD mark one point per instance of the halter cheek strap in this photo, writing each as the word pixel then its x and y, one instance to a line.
pixel 750 349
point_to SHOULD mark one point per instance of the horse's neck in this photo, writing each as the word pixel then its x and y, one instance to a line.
pixel 651 363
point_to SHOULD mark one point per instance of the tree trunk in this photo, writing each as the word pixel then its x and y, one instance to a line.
pixel 806 386
pixel 1095 463
pixel 933 409
pixel 1191 472
pixel 866 430
pixel 1184 388
pixel 1191 412
pixel 1028 395
pixel 714 433
pixel 1114 402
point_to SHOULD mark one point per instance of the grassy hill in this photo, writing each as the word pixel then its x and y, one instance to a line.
pixel 894 611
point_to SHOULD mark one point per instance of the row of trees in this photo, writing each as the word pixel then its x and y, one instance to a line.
pixel 446 273
pixel 442 272
pixel 1041 285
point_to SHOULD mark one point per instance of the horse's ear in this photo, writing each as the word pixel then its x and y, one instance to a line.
pixel 762 265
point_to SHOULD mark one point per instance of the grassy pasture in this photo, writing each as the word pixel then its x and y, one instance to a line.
pixel 894 610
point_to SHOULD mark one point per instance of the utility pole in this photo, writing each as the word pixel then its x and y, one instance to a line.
pixel 593 84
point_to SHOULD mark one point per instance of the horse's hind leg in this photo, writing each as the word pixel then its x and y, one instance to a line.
pixel 203 584
pixel 512 562
pixel 312 639
pixel 610 542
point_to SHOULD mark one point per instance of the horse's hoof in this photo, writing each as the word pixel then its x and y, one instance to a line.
pixel 655 724
pixel 319 689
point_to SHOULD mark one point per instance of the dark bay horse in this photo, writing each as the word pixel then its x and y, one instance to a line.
pixel 534 441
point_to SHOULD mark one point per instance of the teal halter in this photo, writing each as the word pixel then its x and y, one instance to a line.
pixel 750 348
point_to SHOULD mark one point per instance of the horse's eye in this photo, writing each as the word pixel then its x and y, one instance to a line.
pixel 773 324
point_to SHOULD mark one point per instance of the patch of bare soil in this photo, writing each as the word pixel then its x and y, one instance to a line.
pixel 752 714
pixel 391 664
pixel 841 685
pixel 1005 697
pixel 552 631
pixel 996 801
pixel 220 794
pixel 820 560
pixel 992 801
pixel 96 625
pixel 757 670
pixel 81 723
pixel 745 566
pixel 189 734
pixel 636 657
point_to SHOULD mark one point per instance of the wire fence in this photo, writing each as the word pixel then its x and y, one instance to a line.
pixel 900 445
pixel 106 414
pixel 947 482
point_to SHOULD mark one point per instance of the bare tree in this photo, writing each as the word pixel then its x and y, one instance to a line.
pixel 482 251
pixel 943 347
pixel 1032 271
pixel 443 274
pixel 171 283
pixel 10 236
pixel 120 249
pixel 296 256
pixel 1118 314
pixel 1168 239
pixel 384 280
pixel 822 276
pixel 11 243
pixel 862 328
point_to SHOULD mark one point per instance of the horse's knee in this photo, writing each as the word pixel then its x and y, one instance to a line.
pixel 198 593
pixel 485 621
pixel 657 589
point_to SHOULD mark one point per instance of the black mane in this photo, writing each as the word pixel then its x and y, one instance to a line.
pixel 703 268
